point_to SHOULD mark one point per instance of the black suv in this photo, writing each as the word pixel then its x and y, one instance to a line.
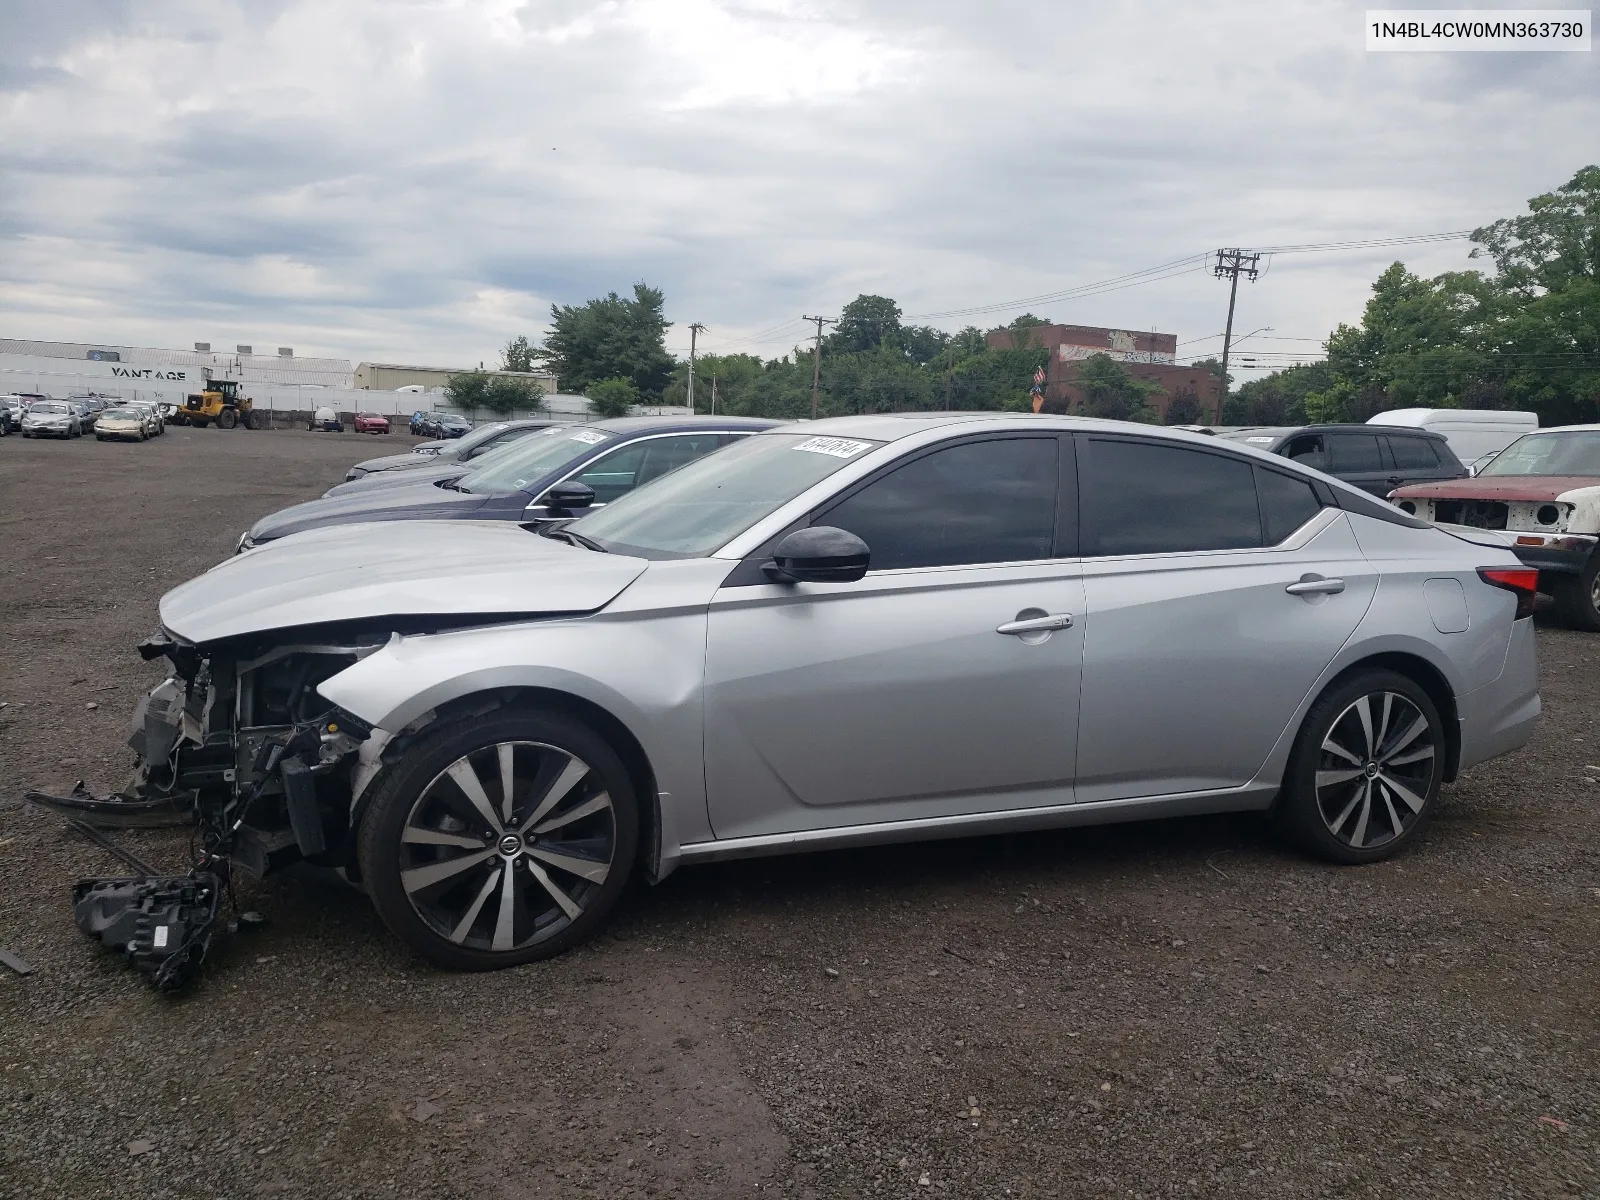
pixel 1374 458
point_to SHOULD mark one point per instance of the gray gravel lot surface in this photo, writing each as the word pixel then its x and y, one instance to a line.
pixel 1170 1009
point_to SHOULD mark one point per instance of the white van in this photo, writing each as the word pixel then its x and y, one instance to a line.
pixel 1471 432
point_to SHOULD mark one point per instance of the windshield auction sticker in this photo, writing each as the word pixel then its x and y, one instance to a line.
pixel 589 437
pixel 838 447
pixel 1477 29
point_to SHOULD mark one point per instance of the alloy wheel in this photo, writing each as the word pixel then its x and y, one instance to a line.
pixel 508 845
pixel 1376 769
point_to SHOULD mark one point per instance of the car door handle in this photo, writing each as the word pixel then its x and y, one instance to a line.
pixel 1037 624
pixel 1314 585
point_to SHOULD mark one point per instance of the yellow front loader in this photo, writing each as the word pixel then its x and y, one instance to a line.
pixel 219 404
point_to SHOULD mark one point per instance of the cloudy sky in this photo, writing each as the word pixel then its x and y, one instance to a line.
pixel 418 180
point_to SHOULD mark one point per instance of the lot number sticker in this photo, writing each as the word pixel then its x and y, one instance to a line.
pixel 1263 440
pixel 838 447
pixel 588 437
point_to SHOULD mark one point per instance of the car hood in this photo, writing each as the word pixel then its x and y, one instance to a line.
pixel 1525 488
pixel 411 502
pixel 447 570
pixel 396 462
pixel 427 471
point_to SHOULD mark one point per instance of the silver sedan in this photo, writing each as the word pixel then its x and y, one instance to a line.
pixel 864 630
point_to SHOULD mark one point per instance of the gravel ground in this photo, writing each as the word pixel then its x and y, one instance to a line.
pixel 1170 1009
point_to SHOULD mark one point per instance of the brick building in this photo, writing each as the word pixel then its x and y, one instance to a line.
pixel 1147 356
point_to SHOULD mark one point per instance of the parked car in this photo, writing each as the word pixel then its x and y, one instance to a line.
pixel 450 425
pixel 123 422
pixel 93 407
pixel 871 629
pixel 150 414
pixel 1376 460
pixel 419 421
pixel 549 479
pixel 1543 490
pixel 456 451
pixel 14 407
pixel 445 470
pixel 51 418
pixel 325 420
pixel 1471 432
pixel 371 422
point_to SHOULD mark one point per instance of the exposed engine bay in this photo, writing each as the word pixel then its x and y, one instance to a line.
pixel 237 744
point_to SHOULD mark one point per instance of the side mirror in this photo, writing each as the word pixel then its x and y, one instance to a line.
pixel 821 554
pixel 569 494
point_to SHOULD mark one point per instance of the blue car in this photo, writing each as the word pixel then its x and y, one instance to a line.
pixel 551 476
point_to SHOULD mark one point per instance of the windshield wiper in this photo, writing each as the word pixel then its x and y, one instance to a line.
pixel 576 539
pixel 449 483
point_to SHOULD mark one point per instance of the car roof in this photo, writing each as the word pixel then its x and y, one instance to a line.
pixel 632 425
pixel 1279 432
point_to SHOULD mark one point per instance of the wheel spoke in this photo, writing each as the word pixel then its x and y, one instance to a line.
pixel 1383 722
pixel 507 758
pixel 421 877
pixel 588 808
pixel 464 926
pixel 1412 801
pixel 1342 775
pixel 1333 747
pixel 575 770
pixel 1394 817
pixel 1338 822
pixel 1414 756
pixel 506 922
pixel 589 868
pixel 1364 711
pixel 1418 727
pixel 472 787
pixel 566 902
pixel 1358 837
pixel 418 836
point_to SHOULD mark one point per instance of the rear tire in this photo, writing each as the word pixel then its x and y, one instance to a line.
pixel 1578 596
pixel 471 890
pixel 1363 779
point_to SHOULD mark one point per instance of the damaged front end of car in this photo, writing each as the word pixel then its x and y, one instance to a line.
pixel 238 744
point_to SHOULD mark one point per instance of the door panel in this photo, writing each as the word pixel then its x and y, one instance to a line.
pixel 1195 663
pixel 890 699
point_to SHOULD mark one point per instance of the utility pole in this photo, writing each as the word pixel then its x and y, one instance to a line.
pixel 713 394
pixel 694 331
pixel 1232 263
pixel 816 360
pixel 949 377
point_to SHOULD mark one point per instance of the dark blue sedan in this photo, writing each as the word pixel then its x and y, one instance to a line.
pixel 556 474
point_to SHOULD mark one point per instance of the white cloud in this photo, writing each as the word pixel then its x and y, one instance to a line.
pixel 422 178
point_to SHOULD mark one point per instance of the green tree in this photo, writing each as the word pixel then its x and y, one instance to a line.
pixel 866 323
pixel 504 396
pixel 1184 408
pixel 1110 392
pixel 1278 398
pixel 519 355
pixel 612 397
pixel 465 390
pixel 611 338
pixel 1021 330
pixel 1555 245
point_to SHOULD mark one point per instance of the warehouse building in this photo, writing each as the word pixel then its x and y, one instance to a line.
pixel 391 377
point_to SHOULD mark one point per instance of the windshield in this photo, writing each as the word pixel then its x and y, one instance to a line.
pixel 1575 453
pixel 702 506
pixel 53 406
pixel 530 459
pixel 131 414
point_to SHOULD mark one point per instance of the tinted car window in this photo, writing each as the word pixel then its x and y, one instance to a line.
pixel 1144 498
pixel 1413 454
pixel 668 454
pixel 1286 504
pixel 1308 450
pixel 1353 452
pixel 613 474
pixel 981 502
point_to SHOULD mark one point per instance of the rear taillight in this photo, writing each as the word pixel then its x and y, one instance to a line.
pixel 1523 581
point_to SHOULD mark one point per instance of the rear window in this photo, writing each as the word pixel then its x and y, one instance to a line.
pixel 1143 498
pixel 1413 454
pixel 1354 452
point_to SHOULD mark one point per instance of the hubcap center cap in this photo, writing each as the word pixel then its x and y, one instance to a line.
pixel 511 845
pixel 1371 770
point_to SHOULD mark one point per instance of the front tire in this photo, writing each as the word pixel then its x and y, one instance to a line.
pixel 1578 596
pixel 500 840
pixel 1363 778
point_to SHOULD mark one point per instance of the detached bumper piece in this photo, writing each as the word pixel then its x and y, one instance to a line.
pixel 162 925
pixel 114 812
